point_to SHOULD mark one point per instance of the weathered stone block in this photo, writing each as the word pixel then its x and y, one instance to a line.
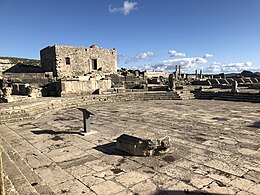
pixel 6 95
pixel 141 147
pixel 35 92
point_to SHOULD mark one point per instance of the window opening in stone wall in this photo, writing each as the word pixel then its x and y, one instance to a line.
pixel 67 60
pixel 94 64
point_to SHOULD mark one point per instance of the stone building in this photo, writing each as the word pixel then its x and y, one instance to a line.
pixel 70 62
pixel 155 74
pixel 79 70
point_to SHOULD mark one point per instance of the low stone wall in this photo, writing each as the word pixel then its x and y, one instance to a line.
pixel 34 108
pixel 228 96
pixel 36 79
pixel 86 86
pixel 254 86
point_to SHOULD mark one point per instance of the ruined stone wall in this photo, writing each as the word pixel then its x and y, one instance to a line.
pixel 35 79
pixel 227 96
pixel 158 74
pixel 48 60
pixel 77 61
pixel 84 87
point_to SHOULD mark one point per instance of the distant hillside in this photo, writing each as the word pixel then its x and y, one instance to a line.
pixel 231 74
pixel 247 73
pixel 24 61
pixel 18 65
pixel 244 73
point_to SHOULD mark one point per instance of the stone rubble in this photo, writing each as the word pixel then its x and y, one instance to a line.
pixel 142 147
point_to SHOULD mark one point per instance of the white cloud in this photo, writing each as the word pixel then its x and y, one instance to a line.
pixel 126 9
pixel 144 55
pixel 147 67
pixel 190 64
pixel 174 53
pixel 217 67
pixel 216 63
pixel 140 56
pixel 185 63
pixel 207 55
pixel 141 67
pixel 120 57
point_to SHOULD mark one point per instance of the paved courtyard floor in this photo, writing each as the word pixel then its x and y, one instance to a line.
pixel 215 148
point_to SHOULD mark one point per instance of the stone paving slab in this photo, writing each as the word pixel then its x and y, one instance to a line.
pixel 215 148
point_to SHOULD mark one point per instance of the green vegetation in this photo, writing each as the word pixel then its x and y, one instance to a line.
pixel 30 62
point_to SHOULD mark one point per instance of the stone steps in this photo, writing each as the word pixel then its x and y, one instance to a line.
pixel 186 95
pixel 19 176
pixel 9 187
pixel 204 95
pixel 227 96
pixel 16 111
pixel 34 109
pixel 235 98
pixel 18 180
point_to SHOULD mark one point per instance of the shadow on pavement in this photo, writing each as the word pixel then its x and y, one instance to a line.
pixel 255 125
pixel 110 149
pixel 51 132
pixel 173 192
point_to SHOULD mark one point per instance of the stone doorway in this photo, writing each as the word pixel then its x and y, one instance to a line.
pixel 94 64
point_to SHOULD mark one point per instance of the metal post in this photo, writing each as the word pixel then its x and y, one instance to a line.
pixel 86 120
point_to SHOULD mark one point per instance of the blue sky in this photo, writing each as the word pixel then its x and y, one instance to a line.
pixel 213 35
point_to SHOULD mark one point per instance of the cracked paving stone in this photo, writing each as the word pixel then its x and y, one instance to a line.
pixel 107 188
pixel 215 147
pixel 145 188
pixel 131 178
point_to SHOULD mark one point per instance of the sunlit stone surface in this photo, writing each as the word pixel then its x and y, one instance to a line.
pixel 215 148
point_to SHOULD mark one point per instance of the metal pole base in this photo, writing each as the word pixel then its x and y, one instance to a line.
pixel 87 133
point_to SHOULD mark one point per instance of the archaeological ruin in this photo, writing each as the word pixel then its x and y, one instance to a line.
pixel 78 69
pixel 74 123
